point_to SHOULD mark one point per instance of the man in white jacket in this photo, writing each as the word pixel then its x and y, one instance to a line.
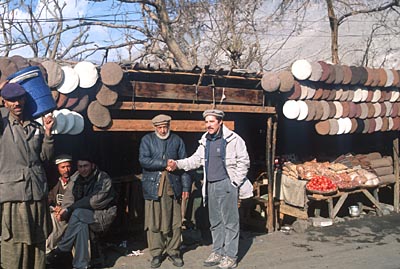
pixel 225 161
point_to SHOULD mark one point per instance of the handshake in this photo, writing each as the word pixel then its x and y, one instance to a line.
pixel 171 165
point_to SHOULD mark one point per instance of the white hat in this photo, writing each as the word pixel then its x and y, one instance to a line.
pixel 79 124
pixel 87 73
pixel 301 69
pixel 69 122
pixel 70 81
pixel 60 122
pixel 63 158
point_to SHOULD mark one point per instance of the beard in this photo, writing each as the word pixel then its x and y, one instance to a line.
pixel 163 137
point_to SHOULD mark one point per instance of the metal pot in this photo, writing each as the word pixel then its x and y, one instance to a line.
pixel 354 211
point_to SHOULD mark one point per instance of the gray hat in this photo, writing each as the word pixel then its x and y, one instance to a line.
pixel 63 158
pixel 161 119
pixel 214 112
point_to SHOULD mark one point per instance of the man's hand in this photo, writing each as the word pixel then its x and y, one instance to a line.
pixel 185 195
pixel 171 165
pixel 48 123
pixel 62 214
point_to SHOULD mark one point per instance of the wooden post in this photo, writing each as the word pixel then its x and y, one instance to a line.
pixel 396 174
pixel 269 163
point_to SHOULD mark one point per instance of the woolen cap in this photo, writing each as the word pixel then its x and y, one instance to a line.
pixel 214 112
pixel 12 91
pixel 161 119
pixel 63 158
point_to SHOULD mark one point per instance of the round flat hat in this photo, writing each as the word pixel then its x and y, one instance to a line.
pixel 303 110
pixel 73 98
pixel 316 71
pixel 388 108
pixel 99 115
pixel 270 82
pixel 296 91
pixel 326 93
pixel 322 127
pixel 87 73
pixel 332 95
pixel 7 68
pixel 346 74
pixel 357 95
pixel 325 70
pixel 339 109
pixel 395 94
pixel 338 94
pixel 375 76
pixel 370 77
pixel 360 126
pixel 382 77
pixel 396 124
pixel 310 90
pixel 388 94
pixel 325 108
pixel 363 75
pixel 82 104
pixel 355 75
pixel 62 100
pixel 319 110
pixel 396 78
pixel 353 125
pixel 79 123
pixel 301 69
pixel 345 93
pixel 371 110
pixel 111 74
pixel 350 95
pixel 20 62
pixel 358 110
pixel 383 109
pixel 348 125
pixel 364 111
pixel 304 91
pixel 383 96
pixel 339 75
pixel 286 81
pixel 377 108
pixel 342 126
pixel 55 74
pixel 364 94
pixel 311 110
pixel 398 72
pixel 69 122
pixel 372 126
pixel 376 96
pixel 352 110
pixel 369 96
pixel 60 122
pixel 334 126
pixel 366 126
pixel 378 124
pixel 389 77
pixel 332 74
pixel 106 96
pixel 291 109
pixel 395 110
pixel 385 124
pixel 332 109
pixel 70 80
pixel 346 109
pixel 318 93
pixel 390 124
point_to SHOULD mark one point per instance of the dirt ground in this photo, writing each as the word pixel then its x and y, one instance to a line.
pixel 367 241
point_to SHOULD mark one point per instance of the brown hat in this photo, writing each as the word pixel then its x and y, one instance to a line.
pixel 160 119
pixel 214 112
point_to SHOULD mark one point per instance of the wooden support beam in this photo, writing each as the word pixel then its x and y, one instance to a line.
pixel 396 174
pixel 191 107
pixel 120 125
pixel 194 93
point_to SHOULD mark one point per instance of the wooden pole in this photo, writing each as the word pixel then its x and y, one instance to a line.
pixel 271 204
pixel 270 212
pixel 396 174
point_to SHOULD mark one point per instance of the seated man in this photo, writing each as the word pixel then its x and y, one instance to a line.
pixel 88 203
pixel 56 194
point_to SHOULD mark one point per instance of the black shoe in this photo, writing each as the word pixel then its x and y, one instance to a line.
pixel 156 261
pixel 176 260
pixel 56 256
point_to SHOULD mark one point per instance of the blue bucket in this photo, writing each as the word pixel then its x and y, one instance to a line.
pixel 39 98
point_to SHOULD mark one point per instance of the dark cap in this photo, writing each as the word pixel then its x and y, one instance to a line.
pixel 214 112
pixel 12 91
pixel 161 119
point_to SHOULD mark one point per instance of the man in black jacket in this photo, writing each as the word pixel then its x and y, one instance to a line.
pixel 89 204
pixel 163 191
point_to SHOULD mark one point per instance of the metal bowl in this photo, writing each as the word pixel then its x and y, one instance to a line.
pixel 354 211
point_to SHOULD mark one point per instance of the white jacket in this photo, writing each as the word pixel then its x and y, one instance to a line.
pixel 237 160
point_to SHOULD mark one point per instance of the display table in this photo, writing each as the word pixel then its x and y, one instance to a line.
pixel 341 196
